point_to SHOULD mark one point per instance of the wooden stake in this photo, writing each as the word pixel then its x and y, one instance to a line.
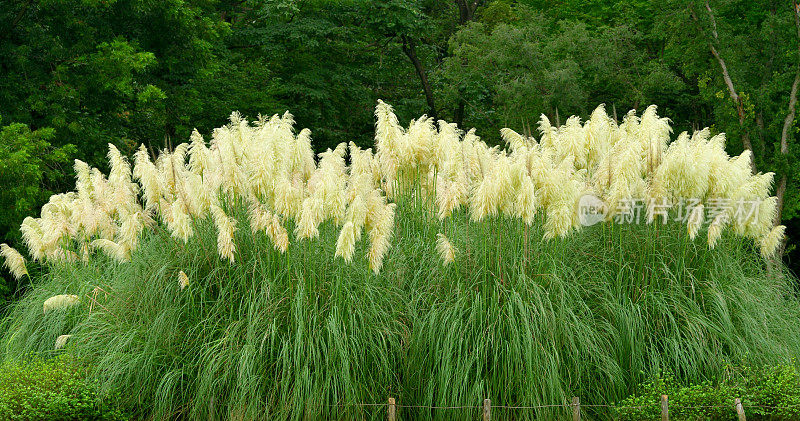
pixel 664 408
pixel 576 408
pixel 392 410
pixel 487 409
pixel 739 409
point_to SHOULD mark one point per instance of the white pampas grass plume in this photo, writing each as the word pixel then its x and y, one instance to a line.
pixel 199 160
pixel 450 194
pixel 525 203
pixel 32 236
pixel 771 242
pixel 345 244
pixel 288 199
pixel 180 223
pixel 61 341
pixel 225 229
pixel 558 222
pixel 260 216
pixel 58 302
pixel 695 221
pixel 83 182
pixel 446 250
pixel 13 261
pixel 380 233
pixel 124 191
pixel 131 229
pixel 715 230
pixel 480 204
pixel 148 175
pixel 377 250
pixel 513 139
pixel 357 211
pixel 278 234
pixel 112 249
pixel 387 128
pixel 183 280
pixel 310 217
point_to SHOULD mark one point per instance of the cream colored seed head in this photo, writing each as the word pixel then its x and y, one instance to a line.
pixel 446 250
pixel 345 244
pixel 14 261
pixel 61 341
pixel 58 302
pixel 771 243
pixel 183 280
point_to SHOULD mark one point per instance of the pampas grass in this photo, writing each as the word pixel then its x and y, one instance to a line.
pixel 318 285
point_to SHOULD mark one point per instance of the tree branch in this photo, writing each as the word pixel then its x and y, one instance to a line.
pixel 17 19
pixel 409 48
pixel 780 192
pixel 466 12
pixel 737 99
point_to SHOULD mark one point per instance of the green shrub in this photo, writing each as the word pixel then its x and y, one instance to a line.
pixel 767 392
pixel 51 389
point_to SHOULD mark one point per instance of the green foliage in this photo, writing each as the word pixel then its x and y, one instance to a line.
pixel 131 72
pixel 51 389
pixel 766 392
pixel 101 72
pixel 29 168
pixel 30 171
pixel 522 320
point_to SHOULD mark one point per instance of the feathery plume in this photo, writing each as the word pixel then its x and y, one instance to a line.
pixel 183 280
pixel 446 250
pixel 278 234
pixel 771 243
pixel 695 221
pixel 226 226
pixel 345 244
pixel 112 249
pixel 58 302
pixel 715 230
pixel 61 341
pixel 14 261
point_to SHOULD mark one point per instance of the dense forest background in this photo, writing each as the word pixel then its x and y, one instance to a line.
pixel 76 75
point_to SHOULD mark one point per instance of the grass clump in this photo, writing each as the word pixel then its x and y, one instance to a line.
pixel 293 336
pixel 256 282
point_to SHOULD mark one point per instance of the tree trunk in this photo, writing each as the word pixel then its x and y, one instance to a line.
pixel 737 99
pixel 787 125
pixel 409 48
pixel 466 11
pixel 458 116
pixel 780 193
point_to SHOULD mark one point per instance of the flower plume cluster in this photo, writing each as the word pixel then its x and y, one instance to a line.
pixel 276 174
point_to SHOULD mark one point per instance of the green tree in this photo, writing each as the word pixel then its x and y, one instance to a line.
pixel 30 171
pixel 99 72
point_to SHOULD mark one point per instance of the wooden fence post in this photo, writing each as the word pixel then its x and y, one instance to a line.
pixel 392 410
pixel 487 410
pixel 664 408
pixel 576 408
pixel 739 409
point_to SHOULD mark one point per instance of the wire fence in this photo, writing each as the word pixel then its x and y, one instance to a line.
pixel 393 408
